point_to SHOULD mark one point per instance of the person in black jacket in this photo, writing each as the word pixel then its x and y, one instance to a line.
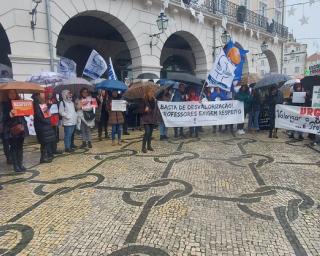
pixel 275 97
pixel 14 130
pixel 42 125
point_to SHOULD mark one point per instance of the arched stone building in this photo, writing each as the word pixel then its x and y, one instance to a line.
pixel 121 29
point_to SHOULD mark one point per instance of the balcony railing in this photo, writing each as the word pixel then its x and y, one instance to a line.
pixel 236 14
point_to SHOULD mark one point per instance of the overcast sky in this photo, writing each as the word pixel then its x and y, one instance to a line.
pixel 310 30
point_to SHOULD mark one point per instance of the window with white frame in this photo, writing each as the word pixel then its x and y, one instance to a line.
pixel 263 8
pixel 297 58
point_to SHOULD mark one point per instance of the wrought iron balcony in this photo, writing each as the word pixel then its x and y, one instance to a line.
pixel 254 20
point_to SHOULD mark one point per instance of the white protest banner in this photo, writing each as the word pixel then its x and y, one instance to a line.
pixel 316 97
pixel 96 65
pixel 222 73
pixel 299 97
pixel 119 105
pixel 188 114
pixel 67 68
pixel 300 119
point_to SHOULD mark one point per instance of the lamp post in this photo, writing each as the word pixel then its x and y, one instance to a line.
pixel 33 14
pixel 162 23
pixel 225 38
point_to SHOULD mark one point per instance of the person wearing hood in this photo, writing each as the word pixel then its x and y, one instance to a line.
pixel 86 117
pixel 52 104
pixel 42 124
pixel 69 118
pixel 15 130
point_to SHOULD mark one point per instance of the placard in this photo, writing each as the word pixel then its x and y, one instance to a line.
pixel 299 97
pixel 54 109
pixel 188 114
pixel 316 97
pixel 296 118
pixel 23 107
pixel 45 110
pixel 118 105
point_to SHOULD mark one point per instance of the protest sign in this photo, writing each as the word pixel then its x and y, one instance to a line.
pixel 45 110
pixel 30 125
pixel 295 118
pixel 54 109
pixel 188 114
pixel 316 97
pixel 299 97
pixel 23 107
pixel 119 105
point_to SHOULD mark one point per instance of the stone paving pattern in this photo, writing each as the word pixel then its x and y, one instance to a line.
pixel 216 195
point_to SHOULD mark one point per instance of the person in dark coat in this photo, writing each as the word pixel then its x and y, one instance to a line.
pixel 42 124
pixel 148 120
pixel 116 120
pixel 275 97
pixel 14 130
pixel 179 95
pixel 254 111
pixel 244 96
pixel 5 142
pixel 102 114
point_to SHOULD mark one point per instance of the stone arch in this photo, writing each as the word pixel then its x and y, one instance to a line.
pixel 272 59
pixel 191 44
pixel 114 13
pixel 5 51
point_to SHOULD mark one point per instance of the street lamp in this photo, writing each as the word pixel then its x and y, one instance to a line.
pixel 264 46
pixel 225 37
pixel 33 14
pixel 162 23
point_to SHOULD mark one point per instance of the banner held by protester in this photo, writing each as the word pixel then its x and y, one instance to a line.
pixel 188 114
pixel 300 119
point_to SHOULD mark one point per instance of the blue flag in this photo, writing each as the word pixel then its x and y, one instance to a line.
pixel 239 67
pixel 111 74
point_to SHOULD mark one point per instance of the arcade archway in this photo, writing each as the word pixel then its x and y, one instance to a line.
pixel 102 32
pixel 5 51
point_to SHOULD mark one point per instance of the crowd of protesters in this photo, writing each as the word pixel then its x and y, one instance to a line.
pixel 80 114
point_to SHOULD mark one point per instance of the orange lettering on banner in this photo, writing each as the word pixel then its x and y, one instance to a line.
pixel 23 107
pixel 310 112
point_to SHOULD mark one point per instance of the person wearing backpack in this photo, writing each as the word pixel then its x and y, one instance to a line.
pixel 69 119
pixel 86 117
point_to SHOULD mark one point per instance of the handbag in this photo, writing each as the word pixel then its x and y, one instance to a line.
pixel 17 130
pixel 89 115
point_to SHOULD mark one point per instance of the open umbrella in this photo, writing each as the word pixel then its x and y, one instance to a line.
pixel 271 79
pixel 74 85
pixel 184 78
pixel 163 82
pixel 309 81
pixel 138 90
pixel 22 87
pixel 46 77
pixel 111 85
pixel 287 85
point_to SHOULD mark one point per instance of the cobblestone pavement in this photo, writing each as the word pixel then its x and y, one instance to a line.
pixel 217 195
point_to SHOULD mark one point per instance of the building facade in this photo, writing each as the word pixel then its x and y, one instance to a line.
pixel 122 29
pixel 294 59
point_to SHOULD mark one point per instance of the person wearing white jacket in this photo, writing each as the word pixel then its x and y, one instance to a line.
pixel 69 118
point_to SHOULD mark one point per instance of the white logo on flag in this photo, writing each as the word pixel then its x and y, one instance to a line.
pixel 96 65
pixel 222 73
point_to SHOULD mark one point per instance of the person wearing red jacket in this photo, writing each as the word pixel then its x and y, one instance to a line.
pixel 192 96
pixel 52 104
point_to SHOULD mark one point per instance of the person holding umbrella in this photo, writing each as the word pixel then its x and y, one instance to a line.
pixel 14 129
pixel 42 124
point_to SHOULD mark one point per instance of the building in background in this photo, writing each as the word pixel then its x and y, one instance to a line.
pixel 313 64
pixel 294 59
pixel 128 32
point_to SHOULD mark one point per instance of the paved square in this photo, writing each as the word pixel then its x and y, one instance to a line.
pixel 219 195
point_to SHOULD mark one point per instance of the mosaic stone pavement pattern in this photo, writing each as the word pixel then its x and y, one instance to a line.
pixel 216 195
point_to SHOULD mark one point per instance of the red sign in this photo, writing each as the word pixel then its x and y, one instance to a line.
pixel 23 107
pixel 310 112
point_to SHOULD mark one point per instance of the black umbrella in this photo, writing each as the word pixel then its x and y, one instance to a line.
pixel 271 79
pixel 184 78
pixel 309 81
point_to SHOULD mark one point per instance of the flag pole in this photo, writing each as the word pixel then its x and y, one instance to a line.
pixel 202 90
